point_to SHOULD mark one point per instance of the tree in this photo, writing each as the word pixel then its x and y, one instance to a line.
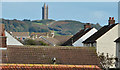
pixel 29 42
pixel 106 61
pixel 33 42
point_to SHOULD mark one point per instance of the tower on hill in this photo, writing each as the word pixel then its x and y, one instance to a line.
pixel 45 12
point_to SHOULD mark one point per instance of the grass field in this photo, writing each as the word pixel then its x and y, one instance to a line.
pixel 38 23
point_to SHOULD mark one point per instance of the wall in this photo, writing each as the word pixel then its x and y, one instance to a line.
pixel 106 44
pixel 84 37
pixel 11 40
pixel 3 41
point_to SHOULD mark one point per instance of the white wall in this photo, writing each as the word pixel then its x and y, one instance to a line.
pixel 11 40
pixel 84 37
pixel 106 44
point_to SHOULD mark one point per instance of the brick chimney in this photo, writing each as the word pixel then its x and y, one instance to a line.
pixel 111 20
pixel 2 36
pixel 87 25
pixel 3 41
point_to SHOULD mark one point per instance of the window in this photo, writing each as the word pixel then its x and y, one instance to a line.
pixel 23 38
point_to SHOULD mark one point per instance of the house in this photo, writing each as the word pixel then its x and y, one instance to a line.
pixel 11 40
pixel 53 41
pixel 20 35
pixel 62 38
pixel 49 38
pixel 104 39
pixel 6 39
pixel 82 35
pixel 58 57
pixel 34 35
pixel 117 52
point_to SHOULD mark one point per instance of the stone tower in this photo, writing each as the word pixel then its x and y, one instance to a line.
pixel 45 12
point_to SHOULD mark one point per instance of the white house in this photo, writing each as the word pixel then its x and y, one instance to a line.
pixel 6 39
pixel 82 35
pixel 104 39
pixel 11 40
pixel 20 35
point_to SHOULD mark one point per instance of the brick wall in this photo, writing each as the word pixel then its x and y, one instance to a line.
pixel 2 36
pixel 3 41
pixel 2 28
pixel 44 55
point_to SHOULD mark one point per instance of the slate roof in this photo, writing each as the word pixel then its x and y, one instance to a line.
pixel 48 40
pixel 45 54
pixel 63 39
pixel 99 33
pixel 21 34
pixel 57 40
pixel 76 36
pixel 117 40
pixel 47 67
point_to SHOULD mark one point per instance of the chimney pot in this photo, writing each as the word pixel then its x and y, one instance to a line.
pixel 111 21
pixel 112 18
pixel 87 25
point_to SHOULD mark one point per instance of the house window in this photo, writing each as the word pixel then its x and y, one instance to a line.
pixel 23 38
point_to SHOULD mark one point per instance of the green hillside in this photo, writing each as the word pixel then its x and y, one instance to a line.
pixel 62 27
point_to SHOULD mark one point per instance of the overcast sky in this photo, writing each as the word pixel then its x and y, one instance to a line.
pixel 93 12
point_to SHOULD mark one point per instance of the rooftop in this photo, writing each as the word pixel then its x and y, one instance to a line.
pixel 47 67
pixel 117 40
pixel 99 33
pixel 76 36
pixel 44 55
pixel 20 33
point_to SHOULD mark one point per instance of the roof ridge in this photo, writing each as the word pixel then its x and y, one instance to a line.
pixel 99 33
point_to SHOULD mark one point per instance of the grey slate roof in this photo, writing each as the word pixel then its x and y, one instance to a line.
pixel 99 33
pixel 117 40
pixel 76 36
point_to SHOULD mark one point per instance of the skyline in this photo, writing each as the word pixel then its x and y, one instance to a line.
pixel 88 12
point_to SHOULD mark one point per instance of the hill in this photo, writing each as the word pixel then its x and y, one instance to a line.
pixel 62 27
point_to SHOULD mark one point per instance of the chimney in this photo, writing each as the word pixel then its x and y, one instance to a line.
pixel 3 41
pixel 2 36
pixel 111 21
pixel 87 25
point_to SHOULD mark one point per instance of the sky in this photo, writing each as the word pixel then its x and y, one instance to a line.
pixel 60 0
pixel 86 12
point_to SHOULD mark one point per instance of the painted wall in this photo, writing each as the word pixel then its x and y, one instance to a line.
pixel 106 44
pixel 11 40
pixel 84 37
